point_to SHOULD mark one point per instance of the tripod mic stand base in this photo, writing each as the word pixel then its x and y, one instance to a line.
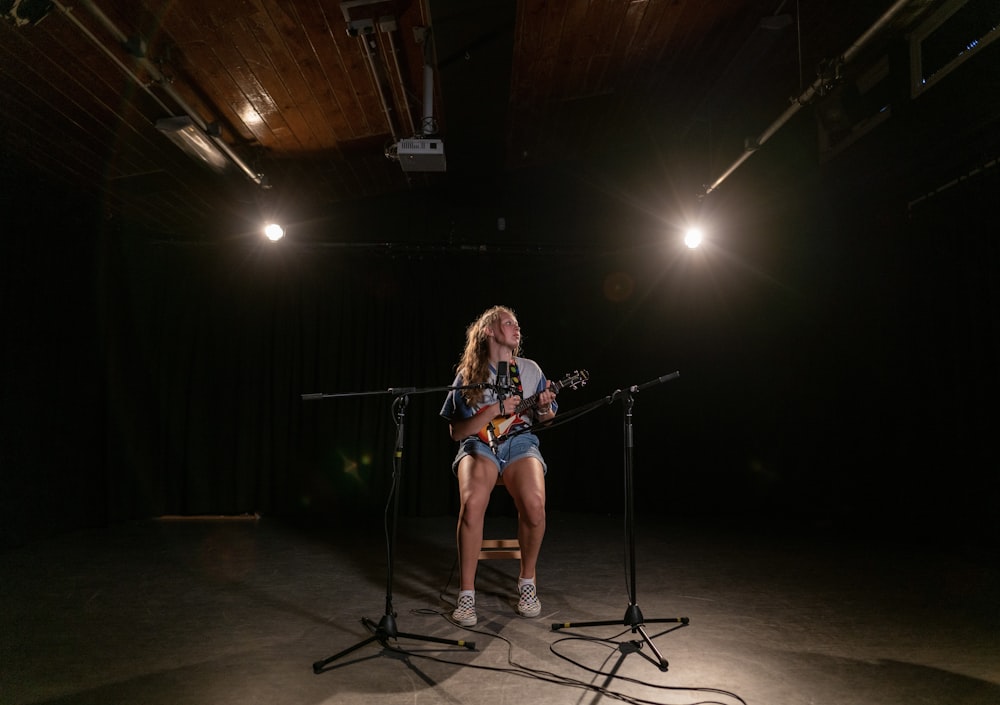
pixel 634 621
pixel 384 630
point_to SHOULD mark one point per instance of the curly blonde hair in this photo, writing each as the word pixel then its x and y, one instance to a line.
pixel 474 365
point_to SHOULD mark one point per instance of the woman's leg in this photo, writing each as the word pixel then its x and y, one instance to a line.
pixel 476 478
pixel 525 481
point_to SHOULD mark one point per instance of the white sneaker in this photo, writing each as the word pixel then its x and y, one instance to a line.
pixel 465 614
pixel 528 604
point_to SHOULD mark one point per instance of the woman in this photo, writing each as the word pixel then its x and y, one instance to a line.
pixel 491 424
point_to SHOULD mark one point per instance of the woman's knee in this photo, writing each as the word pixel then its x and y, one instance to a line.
pixel 473 507
pixel 473 502
pixel 531 511
pixel 530 503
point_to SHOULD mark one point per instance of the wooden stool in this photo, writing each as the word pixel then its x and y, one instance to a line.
pixel 499 548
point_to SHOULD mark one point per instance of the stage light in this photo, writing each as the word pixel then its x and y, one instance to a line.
pixel 693 237
pixel 189 137
pixel 273 232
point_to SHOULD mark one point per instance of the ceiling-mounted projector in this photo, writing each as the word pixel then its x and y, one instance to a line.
pixel 421 155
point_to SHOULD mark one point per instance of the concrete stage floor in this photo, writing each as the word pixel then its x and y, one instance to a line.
pixel 237 611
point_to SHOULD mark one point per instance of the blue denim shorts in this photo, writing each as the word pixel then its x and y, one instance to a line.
pixel 523 445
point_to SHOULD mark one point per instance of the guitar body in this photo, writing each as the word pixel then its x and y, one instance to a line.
pixel 498 427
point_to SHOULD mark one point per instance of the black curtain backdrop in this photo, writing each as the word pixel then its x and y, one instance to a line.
pixel 226 340
pixel 838 364
pixel 53 413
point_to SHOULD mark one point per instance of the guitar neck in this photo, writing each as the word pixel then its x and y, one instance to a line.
pixel 526 404
pixel 533 399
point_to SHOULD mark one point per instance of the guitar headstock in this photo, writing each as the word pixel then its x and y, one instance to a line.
pixel 574 380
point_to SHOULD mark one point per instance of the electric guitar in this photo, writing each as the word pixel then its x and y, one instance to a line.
pixel 498 427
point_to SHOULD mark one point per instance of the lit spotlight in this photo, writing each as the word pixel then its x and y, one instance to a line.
pixel 274 232
pixel 693 237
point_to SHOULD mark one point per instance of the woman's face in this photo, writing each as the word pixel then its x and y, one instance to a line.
pixel 506 331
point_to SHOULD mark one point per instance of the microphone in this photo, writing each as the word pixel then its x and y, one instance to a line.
pixel 492 437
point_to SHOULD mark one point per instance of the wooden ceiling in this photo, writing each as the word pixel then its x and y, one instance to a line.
pixel 311 97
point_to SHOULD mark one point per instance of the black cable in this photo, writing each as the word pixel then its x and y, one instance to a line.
pixel 627 679
pixel 523 671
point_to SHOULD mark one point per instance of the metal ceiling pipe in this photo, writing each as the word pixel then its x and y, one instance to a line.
pixel 365 29
pixel 97 42
pixel 428 126
pixel 160 79
pixel 810 92
pixel 389 29
pixel 370 49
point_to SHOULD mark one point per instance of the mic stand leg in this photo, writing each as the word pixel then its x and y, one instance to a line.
pixel 633 615
pixel 385 628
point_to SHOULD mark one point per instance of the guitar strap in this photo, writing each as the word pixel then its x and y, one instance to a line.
pixel 515 378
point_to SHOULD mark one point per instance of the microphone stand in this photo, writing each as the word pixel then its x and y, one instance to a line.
pixel 501 388
pixel 633 615
pixel 386 627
